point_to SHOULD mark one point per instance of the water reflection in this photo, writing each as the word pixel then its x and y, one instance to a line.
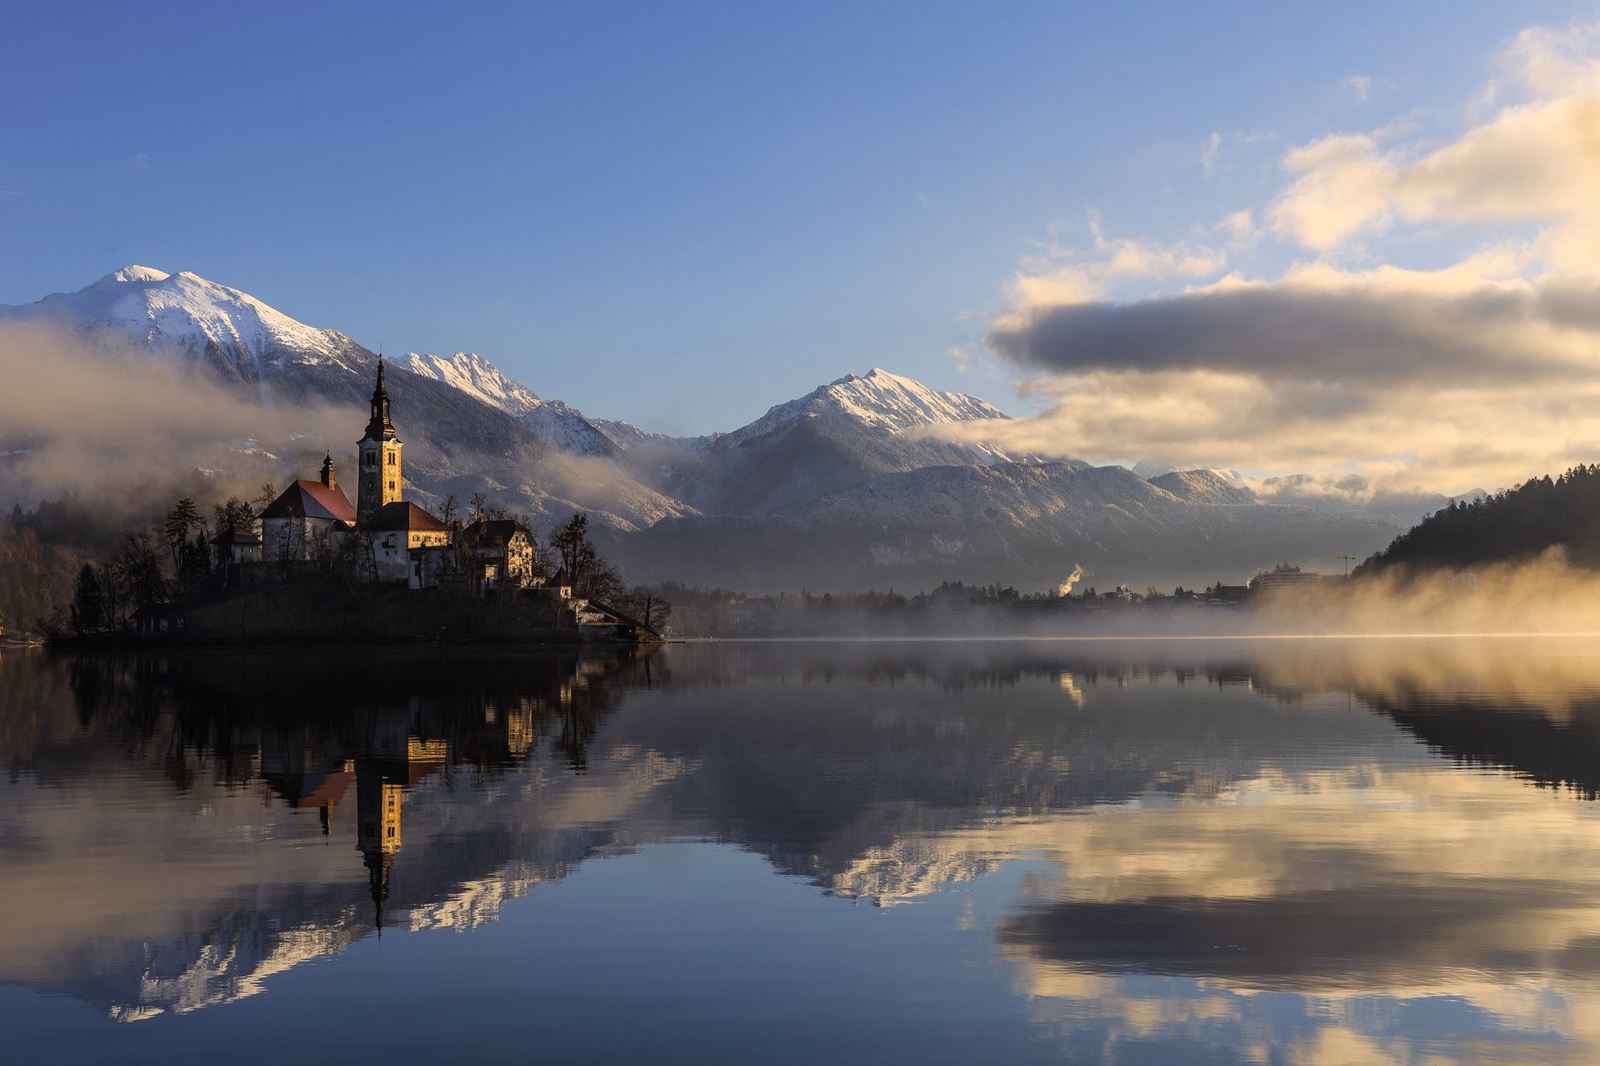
pixel 1335 851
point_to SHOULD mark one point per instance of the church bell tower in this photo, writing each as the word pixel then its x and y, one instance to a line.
pixel 382 480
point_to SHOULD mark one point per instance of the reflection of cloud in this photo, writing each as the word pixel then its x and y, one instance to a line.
pixel 1356 887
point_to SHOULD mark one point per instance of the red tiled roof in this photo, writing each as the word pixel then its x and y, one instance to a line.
pixel 237 536
pixel 403 514
pixel 312 499
pixel 329 791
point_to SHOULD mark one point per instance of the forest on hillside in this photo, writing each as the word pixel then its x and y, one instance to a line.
pixel 1510 525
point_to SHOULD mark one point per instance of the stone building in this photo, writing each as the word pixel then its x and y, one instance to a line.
pixel 236 546
pixel 396 534
pixel 497 553
pixel 402 542
pixel 307 521
pixel 380 538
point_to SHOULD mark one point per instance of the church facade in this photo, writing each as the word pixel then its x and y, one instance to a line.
pixel 387 537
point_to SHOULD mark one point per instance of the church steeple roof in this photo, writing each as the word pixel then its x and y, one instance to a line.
pixel 380 428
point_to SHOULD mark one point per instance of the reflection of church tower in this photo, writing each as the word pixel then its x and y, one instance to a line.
pixel 382 480
pixel 378 804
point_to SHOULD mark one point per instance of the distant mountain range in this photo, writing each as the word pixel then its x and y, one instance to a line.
pixel 844 487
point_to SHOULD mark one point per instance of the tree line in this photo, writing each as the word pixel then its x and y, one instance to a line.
pixel 171 561
pixel 1517 523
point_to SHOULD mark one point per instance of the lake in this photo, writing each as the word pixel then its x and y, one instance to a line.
pixel 1294 851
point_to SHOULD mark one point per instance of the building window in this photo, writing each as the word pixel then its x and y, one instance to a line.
pixel 391 458
pixel 391 486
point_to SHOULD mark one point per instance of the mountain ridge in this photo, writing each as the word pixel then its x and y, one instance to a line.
pixel 844 485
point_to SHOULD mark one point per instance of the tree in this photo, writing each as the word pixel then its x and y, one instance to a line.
pixel 183 517
pixel 569 541
pixel 648 606
pixel 592 578
pixel 194 561
pixel 88 602
pixel 137 569
pixel 235 514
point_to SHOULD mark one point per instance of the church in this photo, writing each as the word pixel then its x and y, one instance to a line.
pixel 389 536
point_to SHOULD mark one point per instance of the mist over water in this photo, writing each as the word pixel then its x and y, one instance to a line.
pixel 1135 850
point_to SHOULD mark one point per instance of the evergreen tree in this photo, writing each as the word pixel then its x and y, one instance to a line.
pixel 183 517
pixel 88 602
pixel 1520 523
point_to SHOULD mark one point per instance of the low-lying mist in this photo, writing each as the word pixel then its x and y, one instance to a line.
pixel 1545 595
pixel 126 430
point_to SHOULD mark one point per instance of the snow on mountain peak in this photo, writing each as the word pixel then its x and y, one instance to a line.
pixel 146 306
pixel 131 273
pixel 878 399
pixel 477 377
pixel 551 421
pixel 900 403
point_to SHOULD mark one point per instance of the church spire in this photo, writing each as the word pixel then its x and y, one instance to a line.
pixel 327 470
pixel 380 428
pixel 381 473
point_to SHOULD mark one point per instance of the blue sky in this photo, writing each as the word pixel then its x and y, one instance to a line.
pixel 679 214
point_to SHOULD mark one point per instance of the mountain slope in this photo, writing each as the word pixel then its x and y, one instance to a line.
pixel 461 440
pixel 1028 523
pixel 1205 486
pixel 836 437
pixel 230 331
pixel 848 486
pixel 1511 526
pixel 557 424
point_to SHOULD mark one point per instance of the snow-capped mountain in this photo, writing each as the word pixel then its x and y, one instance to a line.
pixel 838 436
pixel 233 331
pixel 843 487
pixel 1206 486
pixel 478 378
pixel 877 400
pixel 558 424
pixel 461 420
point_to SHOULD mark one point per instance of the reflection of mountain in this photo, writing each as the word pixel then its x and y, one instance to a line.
pixel 1225 815
pixel 194 905
pixel 838 782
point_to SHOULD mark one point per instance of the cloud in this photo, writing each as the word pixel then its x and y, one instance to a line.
pixel 1536 160
pixel 1211 153
pixel 1478 373
pixel 1358 86
pixel 1322 326
pixel 1061 274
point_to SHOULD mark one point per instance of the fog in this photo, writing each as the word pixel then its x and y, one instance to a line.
pixel 124 430
pixel 1547 595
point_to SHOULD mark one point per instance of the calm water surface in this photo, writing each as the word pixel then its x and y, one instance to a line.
pixel 1275 852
